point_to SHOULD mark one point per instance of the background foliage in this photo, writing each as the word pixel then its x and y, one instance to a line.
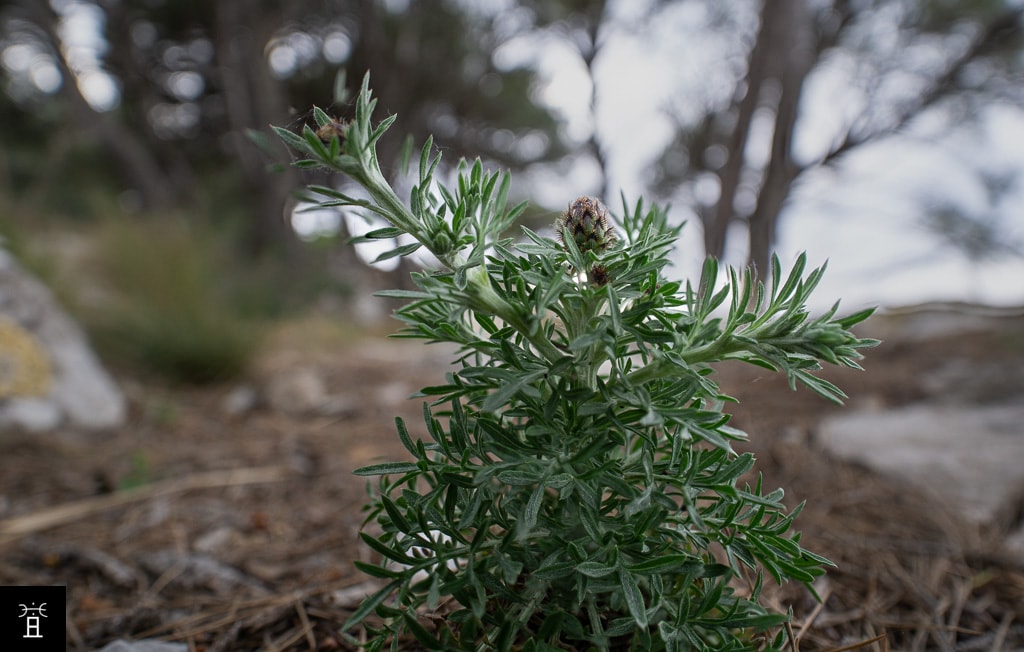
pixel 138 107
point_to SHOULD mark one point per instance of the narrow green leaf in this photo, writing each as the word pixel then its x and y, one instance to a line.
pixel 316 145
pixel 665 564
pixel 425 157
pixel 322 119
pixel 776 277
pixel 554 570
pixel 293 140
pixel 634 599
pixel 373 570
pixel 369 604
pixel 380 129
pixel 382 548
pixel 403 294
pixel 532 511
pixel 504 394
pixel 424 637
pixel 757 622
pixel 404 250
pixel 821 386
pixel 559 480
pixel 384 233
pixel 595 569
pixel 516 478
pixel 405 154
pixel 387 468
pixel 794 278
pixel 396 515
pixel 856 318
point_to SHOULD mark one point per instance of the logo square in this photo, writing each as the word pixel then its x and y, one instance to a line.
pixel 33 618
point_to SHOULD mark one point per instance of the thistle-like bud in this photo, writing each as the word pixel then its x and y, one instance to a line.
pixel 335 128
pixel 586 220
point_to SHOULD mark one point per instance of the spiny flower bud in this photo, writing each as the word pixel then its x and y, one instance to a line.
pixel 334 128
pixel 586 220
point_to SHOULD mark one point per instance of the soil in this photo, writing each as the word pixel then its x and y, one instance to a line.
pixel 235 529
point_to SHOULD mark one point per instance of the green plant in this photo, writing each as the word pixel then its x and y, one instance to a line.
pixel 168 309
pixel 578 488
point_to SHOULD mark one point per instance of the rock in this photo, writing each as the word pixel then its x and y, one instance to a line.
pixel 302 391
pixel 216 539
pixel 30 414
pixel 968 456
pixel 296 391
pixel 1015 543
pixel 240 400
pixel 944 318
pixel 48 374
pixel 973 382
pixel 145 645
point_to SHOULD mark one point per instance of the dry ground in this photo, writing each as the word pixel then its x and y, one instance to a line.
pixel 238 532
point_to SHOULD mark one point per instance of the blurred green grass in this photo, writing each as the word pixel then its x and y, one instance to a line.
pixel 167 296
pixel 169 309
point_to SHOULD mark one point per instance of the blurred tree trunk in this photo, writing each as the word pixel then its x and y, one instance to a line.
pixel 254 100
pixel 716 222
pixel 136 162
pixel 791 57
pixel 139 97
pixel 776 69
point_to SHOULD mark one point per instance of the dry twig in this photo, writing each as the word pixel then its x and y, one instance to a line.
pixel 20 526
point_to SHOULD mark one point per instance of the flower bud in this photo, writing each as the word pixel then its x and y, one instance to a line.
pixel 331 130
pixel 598 276
pixel 442 244
pixel 586 220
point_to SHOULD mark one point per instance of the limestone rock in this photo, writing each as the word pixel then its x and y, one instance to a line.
pixel 296 391
pixel 968 456
pixel 303 391
pixel 48 374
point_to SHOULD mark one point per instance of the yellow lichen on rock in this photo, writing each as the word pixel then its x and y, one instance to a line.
pixel 25 369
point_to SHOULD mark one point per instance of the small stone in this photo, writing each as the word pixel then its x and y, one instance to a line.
pixel 214 540
pixel 299 391
pixel 240 400
pixel 1015 543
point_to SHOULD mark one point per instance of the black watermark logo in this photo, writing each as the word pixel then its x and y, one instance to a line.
pixel 33 618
